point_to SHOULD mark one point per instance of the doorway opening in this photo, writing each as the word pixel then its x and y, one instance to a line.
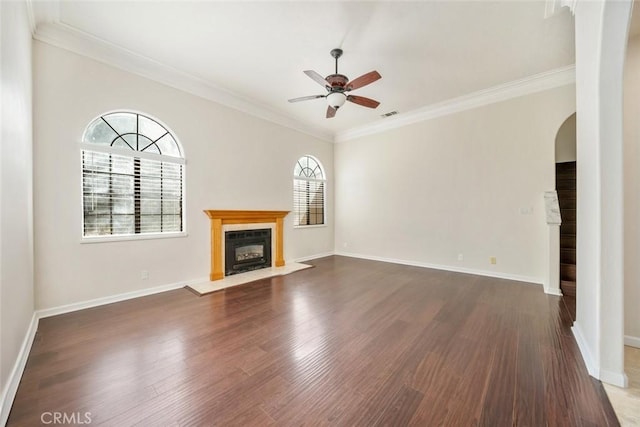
pixel 566 189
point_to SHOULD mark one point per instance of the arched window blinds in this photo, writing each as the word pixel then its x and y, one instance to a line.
pixel 132 177
pixel 308 192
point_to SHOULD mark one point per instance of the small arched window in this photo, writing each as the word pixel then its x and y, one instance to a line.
pixel 132 177
pixel 308 192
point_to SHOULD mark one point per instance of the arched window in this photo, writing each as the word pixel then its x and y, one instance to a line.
pixel 308 192
pixel 132 177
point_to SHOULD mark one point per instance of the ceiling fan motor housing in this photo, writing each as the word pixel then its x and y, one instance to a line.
pixel 337 81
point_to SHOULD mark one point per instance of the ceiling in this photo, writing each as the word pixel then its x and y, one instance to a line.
pixel 427 52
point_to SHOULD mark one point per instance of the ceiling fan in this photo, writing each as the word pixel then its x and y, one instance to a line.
pixel 338 87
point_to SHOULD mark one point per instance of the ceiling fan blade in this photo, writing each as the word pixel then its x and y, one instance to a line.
pixel 361 100
pixel 318 78
pixel 331 112
pixel 363 80
pixel 306 98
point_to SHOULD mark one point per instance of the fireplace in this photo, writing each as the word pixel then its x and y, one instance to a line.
pixel 220 218
pixel 247 250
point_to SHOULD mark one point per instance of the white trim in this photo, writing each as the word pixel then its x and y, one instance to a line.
pixel 532 84
pixel 589 361
pixel 42 12
pixel 316 256
pixel 98 148
pixel 496 274
pixel 9 392
pixel 85 44
pixel 614 378
pixel 571 4
pixel 128 237
pixel 31 16
pixel 74 40
pixel 304 178
pixel 632 341
pixel 310 226
pixel 554 6
pixel 68 308
pixel 553 291
pixel 552 283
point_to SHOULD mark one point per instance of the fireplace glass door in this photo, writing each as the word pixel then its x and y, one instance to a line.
pixel 247 250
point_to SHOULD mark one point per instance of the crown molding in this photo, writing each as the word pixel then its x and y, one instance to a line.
pixel 71 39
pixel 532 84
pixel 31 16
pixel 44 20
pixel 42 12
pixel 554 6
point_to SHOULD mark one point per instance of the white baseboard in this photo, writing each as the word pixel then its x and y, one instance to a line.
pixel 9 392
pixel 632 341
pixel 554 291
pixel 618 379
pixel 316 256
pixel 54 311
pixel 496 274
pixel 592 368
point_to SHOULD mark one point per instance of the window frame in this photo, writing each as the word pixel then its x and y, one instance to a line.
pixel 134 154
pixel 324 191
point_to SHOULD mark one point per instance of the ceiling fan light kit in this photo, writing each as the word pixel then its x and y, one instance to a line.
pixel 336 99
pixel 337 86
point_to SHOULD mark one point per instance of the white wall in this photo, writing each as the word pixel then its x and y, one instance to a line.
pixel 16 219
pixel 454 185
pixel 632 192
pixel 566 141
pixel 234 161
pixel 601 36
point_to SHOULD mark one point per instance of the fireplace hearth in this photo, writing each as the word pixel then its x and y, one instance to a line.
pixel 247 250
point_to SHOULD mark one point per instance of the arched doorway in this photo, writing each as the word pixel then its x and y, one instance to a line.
pixel 566 188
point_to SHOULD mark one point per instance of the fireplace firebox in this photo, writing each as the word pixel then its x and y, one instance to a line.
pixel 247 250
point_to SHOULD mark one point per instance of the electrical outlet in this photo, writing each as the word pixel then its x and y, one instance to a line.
pixel 144 275
pixel 345 245
pixel 460 257
pixel 493 260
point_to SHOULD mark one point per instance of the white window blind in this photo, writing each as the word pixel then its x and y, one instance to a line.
pixel 132 189
pixel 308 192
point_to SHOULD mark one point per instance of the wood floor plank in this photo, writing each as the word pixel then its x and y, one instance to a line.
pixel 529 376
pixel 350 342
pixel 401 409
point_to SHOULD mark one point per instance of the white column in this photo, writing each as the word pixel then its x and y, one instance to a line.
pixel 552 286
pixel 552 208
pixel 601 35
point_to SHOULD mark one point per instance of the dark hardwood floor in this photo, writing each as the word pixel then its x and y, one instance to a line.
pixel 349 342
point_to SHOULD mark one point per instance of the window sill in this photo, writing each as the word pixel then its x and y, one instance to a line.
pixel 310 226
pixel 105 239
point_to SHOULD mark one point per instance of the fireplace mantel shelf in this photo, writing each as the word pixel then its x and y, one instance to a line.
pixel 219 218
